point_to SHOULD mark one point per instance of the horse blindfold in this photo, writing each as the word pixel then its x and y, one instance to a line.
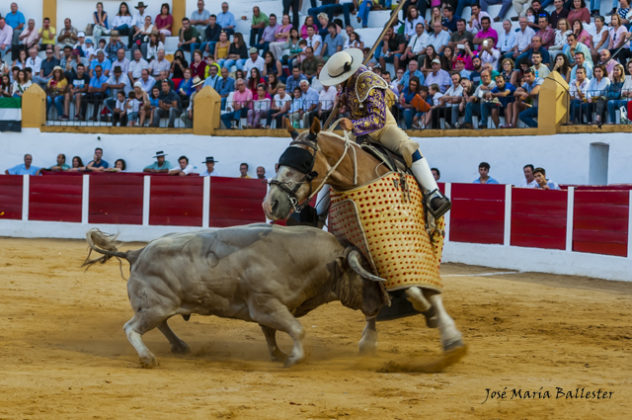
pixel 297 158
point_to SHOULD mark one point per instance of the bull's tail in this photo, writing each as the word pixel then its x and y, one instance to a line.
pixel 106 244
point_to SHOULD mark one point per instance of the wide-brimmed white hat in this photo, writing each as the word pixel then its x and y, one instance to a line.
pixel 341 66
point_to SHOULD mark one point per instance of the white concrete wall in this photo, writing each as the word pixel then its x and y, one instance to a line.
pixel 565 156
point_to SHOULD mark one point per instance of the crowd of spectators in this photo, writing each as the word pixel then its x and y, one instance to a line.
pixel 97 164
pixel 445 70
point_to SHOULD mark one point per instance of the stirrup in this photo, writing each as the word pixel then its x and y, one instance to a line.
pixel 436 203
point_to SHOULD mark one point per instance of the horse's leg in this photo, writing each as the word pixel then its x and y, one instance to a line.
pixel 368 342
pixel 451 337
pixel 416 297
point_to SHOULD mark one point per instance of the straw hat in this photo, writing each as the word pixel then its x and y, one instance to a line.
pixel 197 81
pixel 341 66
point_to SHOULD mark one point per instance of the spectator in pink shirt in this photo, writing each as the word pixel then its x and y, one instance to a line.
pixel 545 32
pixel 486 32
pixel 242 101
pixel 309 21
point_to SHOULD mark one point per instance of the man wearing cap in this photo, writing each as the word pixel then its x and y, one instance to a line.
pixel 138 20
pixel 210 166
pixel 255 60
pixel 187 117
pixel 160 165
pixel 368 98
pixel 438 76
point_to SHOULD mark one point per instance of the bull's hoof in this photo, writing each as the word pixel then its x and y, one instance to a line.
pixel 148 362
pixel 180 348
pixel 367 349
pixel 278 356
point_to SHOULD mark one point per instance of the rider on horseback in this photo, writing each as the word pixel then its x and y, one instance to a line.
pixel 368 98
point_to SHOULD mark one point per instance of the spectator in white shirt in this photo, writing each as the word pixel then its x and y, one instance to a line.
pixel 254 61
pixel 416 45
pixel 488 53
pixel 523 37
pixel 326 99
pixel 439 38
pixel 136 66
pixel 506 38
pixel 314 40
pixel 159 64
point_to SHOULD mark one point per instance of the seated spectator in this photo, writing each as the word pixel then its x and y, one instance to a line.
pixel 159 64
pixel 322 23
pixel 578 11
pixel 309 23
pixel 506 39
pixel 132 108
pixel 540 178
pixel 140 17
pixel 5 86
pixel 100 25
pixel 119 110
pixel 147 82
pixel 188 36
pixel 607 61
pixel 224 86
pixel 483 172
pixel 136 66
pixel 255 61
pixel 15 19
pixel 535 12
pixel 438 76
pixel 333 43
pixel 314 40
pixel 187 117
pixel 280 105
pixel 561 33
pixel 154 103
pixel 237 53
pixel 527 96
pixel 582 35
pixel 144 105
pixel 242 101
pixel 46 68
pixel 295 112
pixel 96 90
pixel 221 49
pixel 562 66
pixel 560 12
pixel 77 165
pixel 20 84
pixel 29 36
pixel 121 61
pixel 211 36
pixel 259 22
pixel 476 23
pixel 117 81
pixel 68 34
pixel 198 65
pixel 524 36
pixel 160 165
pixel 413 18
pixel 260 108
pixel 178 66
pixel 213 76
pixel 153 46
pixel 55 92
pixel 474 103
pixel 578 90
pixel 500 97
pixel 540 70
pixel 59 166
pixel 271 65
pixel 416 44
pixel 267 34
pixel 617 101
pixel 618 37
pixel 331 8
pixel 439 38
pixel 102 61
pixel 488 53
pixel 281 36
pixel 294 47
pixel 164 22
pixel 448 105
pixel 461 36
pixel 486 32
pixel 168 106
pixel 596 95
pixel 573 47
pixel 97 164
pixel 47 34
pixel 119 166
pixel 309 101
pixel 580 62
pixel 536 45
pixel 226 19
pixel 25 168
pixel 140 36
pixel 123 20
pixel 200 19
pixel 210 166
pixel 254 79
pixel 326 100
pixel 77 89
pixel 406 97
pixel 184 168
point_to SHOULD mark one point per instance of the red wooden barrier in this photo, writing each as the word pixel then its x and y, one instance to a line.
pixel 11 197
pixel 176 200
pixel 478 213
pixel 236 201
pixel 538 218
pixel 116 198
pixel 600 222
pixel 55 198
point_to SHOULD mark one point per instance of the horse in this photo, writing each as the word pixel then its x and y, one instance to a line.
pixel 326 158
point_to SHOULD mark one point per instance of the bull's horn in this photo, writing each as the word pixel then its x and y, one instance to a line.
pixel 355 262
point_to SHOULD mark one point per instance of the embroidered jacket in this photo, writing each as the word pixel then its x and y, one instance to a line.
pixel 367 96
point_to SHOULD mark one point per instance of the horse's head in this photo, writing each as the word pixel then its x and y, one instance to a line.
pixel 301 173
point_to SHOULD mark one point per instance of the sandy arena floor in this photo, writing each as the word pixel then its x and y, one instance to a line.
pixel 63 353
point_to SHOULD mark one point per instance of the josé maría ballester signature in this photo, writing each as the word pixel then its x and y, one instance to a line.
pixel 541 393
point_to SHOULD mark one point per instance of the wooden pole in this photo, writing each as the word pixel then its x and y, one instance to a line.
pixel 334 111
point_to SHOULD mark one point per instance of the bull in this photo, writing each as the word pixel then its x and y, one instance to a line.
pixel 260 273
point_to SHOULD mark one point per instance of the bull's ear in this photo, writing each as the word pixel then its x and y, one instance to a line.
pixel 290 128
pixel 315 128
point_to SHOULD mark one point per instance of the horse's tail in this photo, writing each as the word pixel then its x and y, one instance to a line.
pixel 107 245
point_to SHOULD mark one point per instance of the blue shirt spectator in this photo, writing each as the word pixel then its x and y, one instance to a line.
pixel 332 44
pixel 25 168
pixel 96 82
pixel 294 80
pixel 226 19
pixel 505 100
pixel 406 76
pixel 14 18
pixel 105 63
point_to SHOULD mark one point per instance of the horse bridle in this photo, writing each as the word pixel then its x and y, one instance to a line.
pixel 308 175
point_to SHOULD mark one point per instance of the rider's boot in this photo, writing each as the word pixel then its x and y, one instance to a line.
pixel 437 203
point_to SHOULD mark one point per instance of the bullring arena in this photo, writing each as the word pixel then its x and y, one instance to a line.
pixel 538 282
pixel 64 355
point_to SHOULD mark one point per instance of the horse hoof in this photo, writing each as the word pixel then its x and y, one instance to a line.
pixel 453 344
pixel 148 362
